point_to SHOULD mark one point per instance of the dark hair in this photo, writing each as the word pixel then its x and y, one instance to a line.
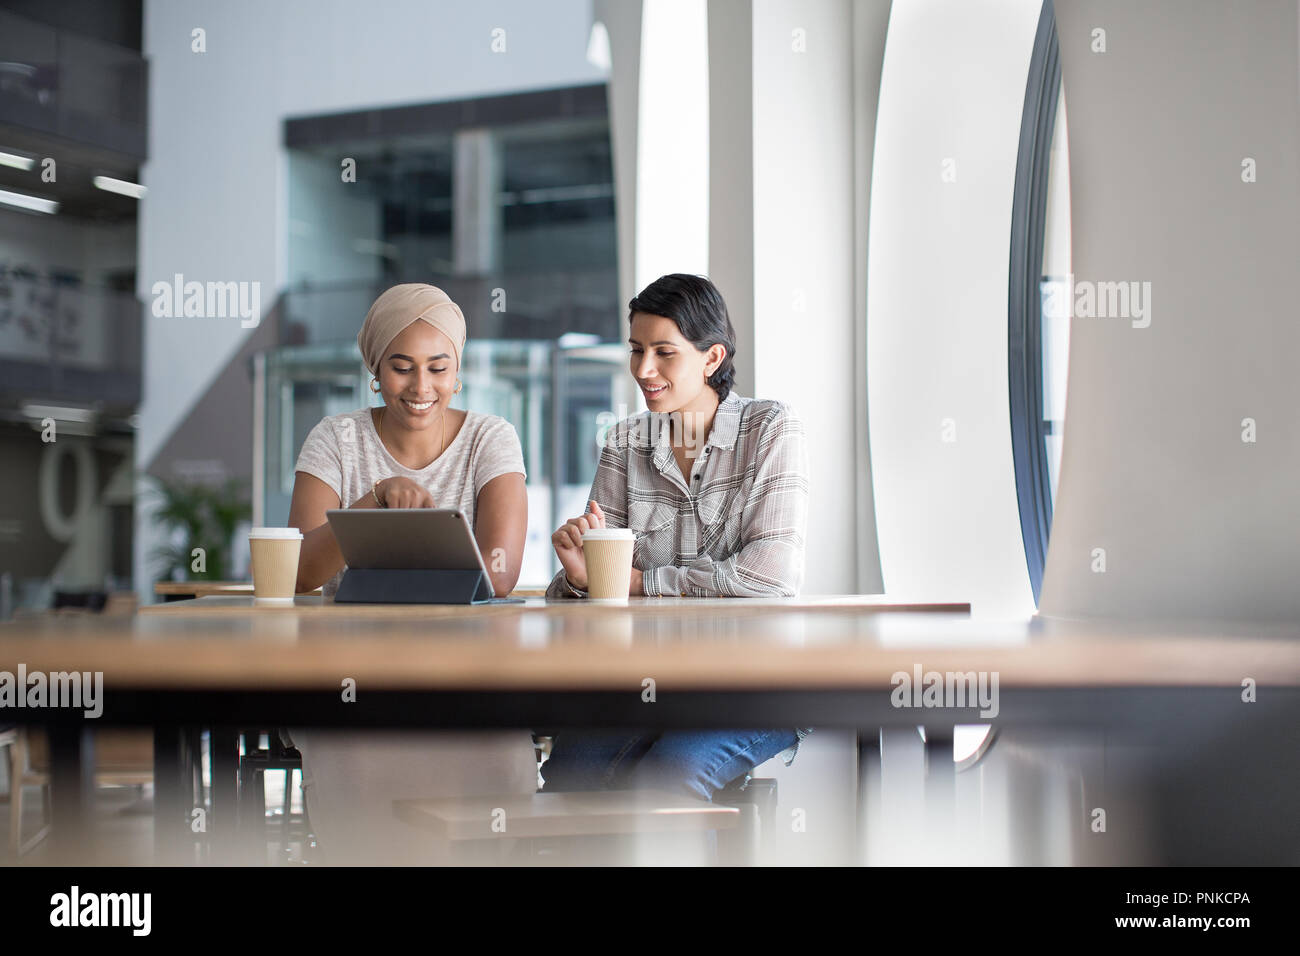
pixel 696 305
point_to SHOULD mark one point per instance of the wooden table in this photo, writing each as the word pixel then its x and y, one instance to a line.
pixel 222 662
pixel 226 645
pixel 183 590
pixel 171 591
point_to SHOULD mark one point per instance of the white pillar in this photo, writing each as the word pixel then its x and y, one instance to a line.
pixel 622 22
pixel 804 320
pixel 476 205
pixel 952 92
pixel 672 185
pixel 731 172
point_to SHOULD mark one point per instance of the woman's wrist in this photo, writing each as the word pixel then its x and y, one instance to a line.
pixel 572 585
pixel 374 493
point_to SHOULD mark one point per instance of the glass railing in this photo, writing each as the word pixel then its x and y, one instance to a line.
pixel 72 86
pixel 558 398
pixel 61 340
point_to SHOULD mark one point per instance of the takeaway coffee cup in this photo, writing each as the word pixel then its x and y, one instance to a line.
pixel 274 553
pixel 608 552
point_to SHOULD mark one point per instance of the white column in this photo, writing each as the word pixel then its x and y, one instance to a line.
pixel 476 206
pixel 622 22
pixel 870 30
pixel 952 93
pixel 731 172
pixel 804 320
pixel 672 184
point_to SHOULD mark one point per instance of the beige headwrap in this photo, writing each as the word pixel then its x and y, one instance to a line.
pixel 397 308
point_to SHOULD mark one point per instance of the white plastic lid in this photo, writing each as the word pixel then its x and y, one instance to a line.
pixel 275 533
pixel 609 534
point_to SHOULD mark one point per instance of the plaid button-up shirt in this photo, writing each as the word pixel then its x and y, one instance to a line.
pixel 736 529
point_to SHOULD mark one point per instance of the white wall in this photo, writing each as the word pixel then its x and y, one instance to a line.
pixel 1193 521
pixel 217 203
pixel 951 96
pixel 804 317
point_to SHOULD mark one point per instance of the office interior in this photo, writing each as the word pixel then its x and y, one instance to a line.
pixel 1019 266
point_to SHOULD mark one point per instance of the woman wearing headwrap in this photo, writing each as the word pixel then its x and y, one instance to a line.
pixel 414 451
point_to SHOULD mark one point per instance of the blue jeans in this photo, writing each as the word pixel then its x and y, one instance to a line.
pixel 695 762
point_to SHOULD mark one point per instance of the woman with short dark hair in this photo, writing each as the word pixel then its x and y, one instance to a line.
pixel 715 487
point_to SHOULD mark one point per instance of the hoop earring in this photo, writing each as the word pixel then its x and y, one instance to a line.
pixel 457 386
pixel 374 385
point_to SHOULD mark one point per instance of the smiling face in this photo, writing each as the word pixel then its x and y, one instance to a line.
pixel 671 371
pixel 417 376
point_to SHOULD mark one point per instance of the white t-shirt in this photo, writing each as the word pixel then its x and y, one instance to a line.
pixel 345 452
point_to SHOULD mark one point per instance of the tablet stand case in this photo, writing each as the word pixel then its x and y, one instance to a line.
pixel 413 586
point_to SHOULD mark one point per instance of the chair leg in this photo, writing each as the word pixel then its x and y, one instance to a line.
pixel 47 818
pixel 15 798
pixel 739 846
pixel 288 797
pixel 18 769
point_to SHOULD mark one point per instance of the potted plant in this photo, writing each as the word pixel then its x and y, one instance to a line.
pixel 206 516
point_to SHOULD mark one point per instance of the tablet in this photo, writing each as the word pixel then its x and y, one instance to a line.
pixel 407 538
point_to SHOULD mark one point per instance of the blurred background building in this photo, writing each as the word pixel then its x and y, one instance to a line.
pixel 74 94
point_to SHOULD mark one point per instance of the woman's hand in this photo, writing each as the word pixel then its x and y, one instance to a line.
pixel 636 587
pixel 567 542
pixel 399 492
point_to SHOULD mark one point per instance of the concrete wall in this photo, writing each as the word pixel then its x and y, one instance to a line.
pixel 1193 521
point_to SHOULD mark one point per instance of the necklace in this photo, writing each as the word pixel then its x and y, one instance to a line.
pixel 441 448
